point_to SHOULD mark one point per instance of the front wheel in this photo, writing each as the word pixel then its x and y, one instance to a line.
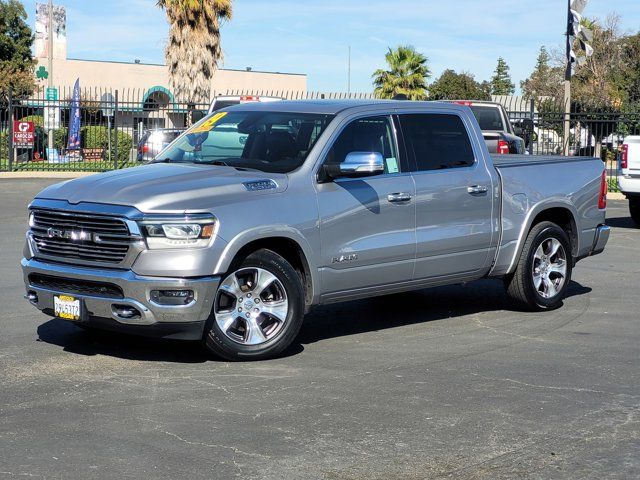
pixel 634 209
pixel 544 269
pixel 258 309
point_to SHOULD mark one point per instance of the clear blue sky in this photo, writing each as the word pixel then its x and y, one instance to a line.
pixel 312 36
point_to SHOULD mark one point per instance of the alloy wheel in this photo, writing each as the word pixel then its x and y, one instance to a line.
pixel 251 306
pixel 549 268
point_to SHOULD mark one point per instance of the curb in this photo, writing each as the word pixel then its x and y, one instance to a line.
pixel 616 196
pixel 34 175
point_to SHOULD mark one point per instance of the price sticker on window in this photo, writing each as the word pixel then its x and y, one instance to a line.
pixel 208 124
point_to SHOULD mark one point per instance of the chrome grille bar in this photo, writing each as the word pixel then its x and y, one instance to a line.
pixel 86 237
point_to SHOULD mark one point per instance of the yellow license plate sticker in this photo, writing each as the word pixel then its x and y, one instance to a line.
pixel 66 307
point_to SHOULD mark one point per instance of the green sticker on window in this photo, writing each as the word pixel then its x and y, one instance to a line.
pixel 392 165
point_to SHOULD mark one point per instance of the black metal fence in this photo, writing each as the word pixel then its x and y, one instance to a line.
pixel 112 123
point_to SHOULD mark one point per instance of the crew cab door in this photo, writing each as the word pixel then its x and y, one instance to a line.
pixel 367 224
pixel 454 201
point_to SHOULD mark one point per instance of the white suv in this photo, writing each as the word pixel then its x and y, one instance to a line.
pixel 223 101
pixel 629 174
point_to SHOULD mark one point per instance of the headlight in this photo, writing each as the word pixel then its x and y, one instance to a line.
pixel 179 232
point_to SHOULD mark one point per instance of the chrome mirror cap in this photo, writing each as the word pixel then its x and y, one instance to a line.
pixel 362 163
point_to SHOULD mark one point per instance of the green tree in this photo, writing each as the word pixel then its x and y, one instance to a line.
pixel 628 77
pixel 407 74
pixel 545 80
pixel 16 38
pixel 501 83
pixel 458 86
pixel 595 82
pixel 193 49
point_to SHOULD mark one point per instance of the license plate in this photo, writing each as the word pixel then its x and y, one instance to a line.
pixel 66 307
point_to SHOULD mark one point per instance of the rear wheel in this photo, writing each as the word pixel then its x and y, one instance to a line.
pixel 258 309
pixel 544 269
pixel 634 209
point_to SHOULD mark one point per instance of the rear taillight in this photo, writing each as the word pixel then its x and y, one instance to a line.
pixel 602 198
pixel 145 148
pixel 503 147
pixel 464 102
pixel 624 160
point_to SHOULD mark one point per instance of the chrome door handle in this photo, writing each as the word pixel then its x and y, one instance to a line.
pixel 399 197
pixel 477 190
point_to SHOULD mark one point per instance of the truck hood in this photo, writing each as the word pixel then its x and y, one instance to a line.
pixel 164 187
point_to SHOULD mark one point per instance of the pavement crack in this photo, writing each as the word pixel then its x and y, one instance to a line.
pixel 551 387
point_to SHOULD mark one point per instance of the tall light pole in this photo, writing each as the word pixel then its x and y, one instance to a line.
pixel 567 84
pixel 50 83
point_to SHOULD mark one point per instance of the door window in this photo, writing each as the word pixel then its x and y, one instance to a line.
pixel 437 141
pixel 371 134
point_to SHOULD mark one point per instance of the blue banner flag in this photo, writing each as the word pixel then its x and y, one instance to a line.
pixel 74 120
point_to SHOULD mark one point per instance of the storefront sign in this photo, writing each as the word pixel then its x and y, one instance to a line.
pixel 24 134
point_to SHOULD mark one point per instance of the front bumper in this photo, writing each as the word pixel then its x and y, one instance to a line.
pixel 184 322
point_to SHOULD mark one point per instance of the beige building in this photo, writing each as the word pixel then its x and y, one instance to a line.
pixel 142 77
pixel 145 99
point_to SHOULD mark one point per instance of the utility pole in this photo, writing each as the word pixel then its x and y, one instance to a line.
pixel 349 72
pixel 567 84
pixel 50 51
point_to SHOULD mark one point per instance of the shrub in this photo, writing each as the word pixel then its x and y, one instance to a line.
pixel 97 137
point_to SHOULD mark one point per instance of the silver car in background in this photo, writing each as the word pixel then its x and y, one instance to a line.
pixel 154 141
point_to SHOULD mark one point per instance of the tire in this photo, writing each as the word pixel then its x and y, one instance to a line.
pixel 634 209
pixel 542 276
pixel 258 309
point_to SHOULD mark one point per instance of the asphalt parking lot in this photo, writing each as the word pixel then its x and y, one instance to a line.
pixel 441 383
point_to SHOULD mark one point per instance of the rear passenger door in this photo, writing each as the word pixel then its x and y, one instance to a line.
pixel 454 205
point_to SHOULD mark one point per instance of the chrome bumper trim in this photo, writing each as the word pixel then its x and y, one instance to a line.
pixel 601 239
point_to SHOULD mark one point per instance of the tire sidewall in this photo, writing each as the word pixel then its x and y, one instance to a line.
pixel 545 233
pixel 220 344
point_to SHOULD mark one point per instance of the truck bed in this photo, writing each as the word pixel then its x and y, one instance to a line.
pixel 504 161
pixel 533 183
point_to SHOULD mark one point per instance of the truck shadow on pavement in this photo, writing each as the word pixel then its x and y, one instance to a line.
pixel 622 222
pixel 409 308
pixel 321 323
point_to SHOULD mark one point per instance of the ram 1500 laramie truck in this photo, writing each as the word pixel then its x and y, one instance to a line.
pixel 262 210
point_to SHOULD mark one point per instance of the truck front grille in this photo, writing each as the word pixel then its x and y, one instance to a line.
pixel 86 237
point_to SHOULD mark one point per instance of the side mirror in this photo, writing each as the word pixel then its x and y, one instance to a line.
pixel 357 164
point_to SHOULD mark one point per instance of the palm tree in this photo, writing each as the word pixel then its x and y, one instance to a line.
pixel 193 49
pixel 407 75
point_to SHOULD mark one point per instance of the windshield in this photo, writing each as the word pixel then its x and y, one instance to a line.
pixel 272 142
pixel 489 118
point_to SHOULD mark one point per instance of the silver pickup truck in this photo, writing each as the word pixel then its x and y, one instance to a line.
pixel 263 210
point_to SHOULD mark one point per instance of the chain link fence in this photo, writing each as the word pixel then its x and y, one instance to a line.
pixel 113 122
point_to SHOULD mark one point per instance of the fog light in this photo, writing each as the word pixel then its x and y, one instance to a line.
pixel 172 297
pixel 32 296
pixel 125 311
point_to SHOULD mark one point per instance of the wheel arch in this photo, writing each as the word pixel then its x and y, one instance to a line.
pixel 286 242
pixel 562 213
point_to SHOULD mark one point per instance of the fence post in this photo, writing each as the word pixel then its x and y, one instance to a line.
pixel 532 107
pixel 10 139
pixel 115 131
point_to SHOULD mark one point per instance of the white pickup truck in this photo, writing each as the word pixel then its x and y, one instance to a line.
pixel 629 175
